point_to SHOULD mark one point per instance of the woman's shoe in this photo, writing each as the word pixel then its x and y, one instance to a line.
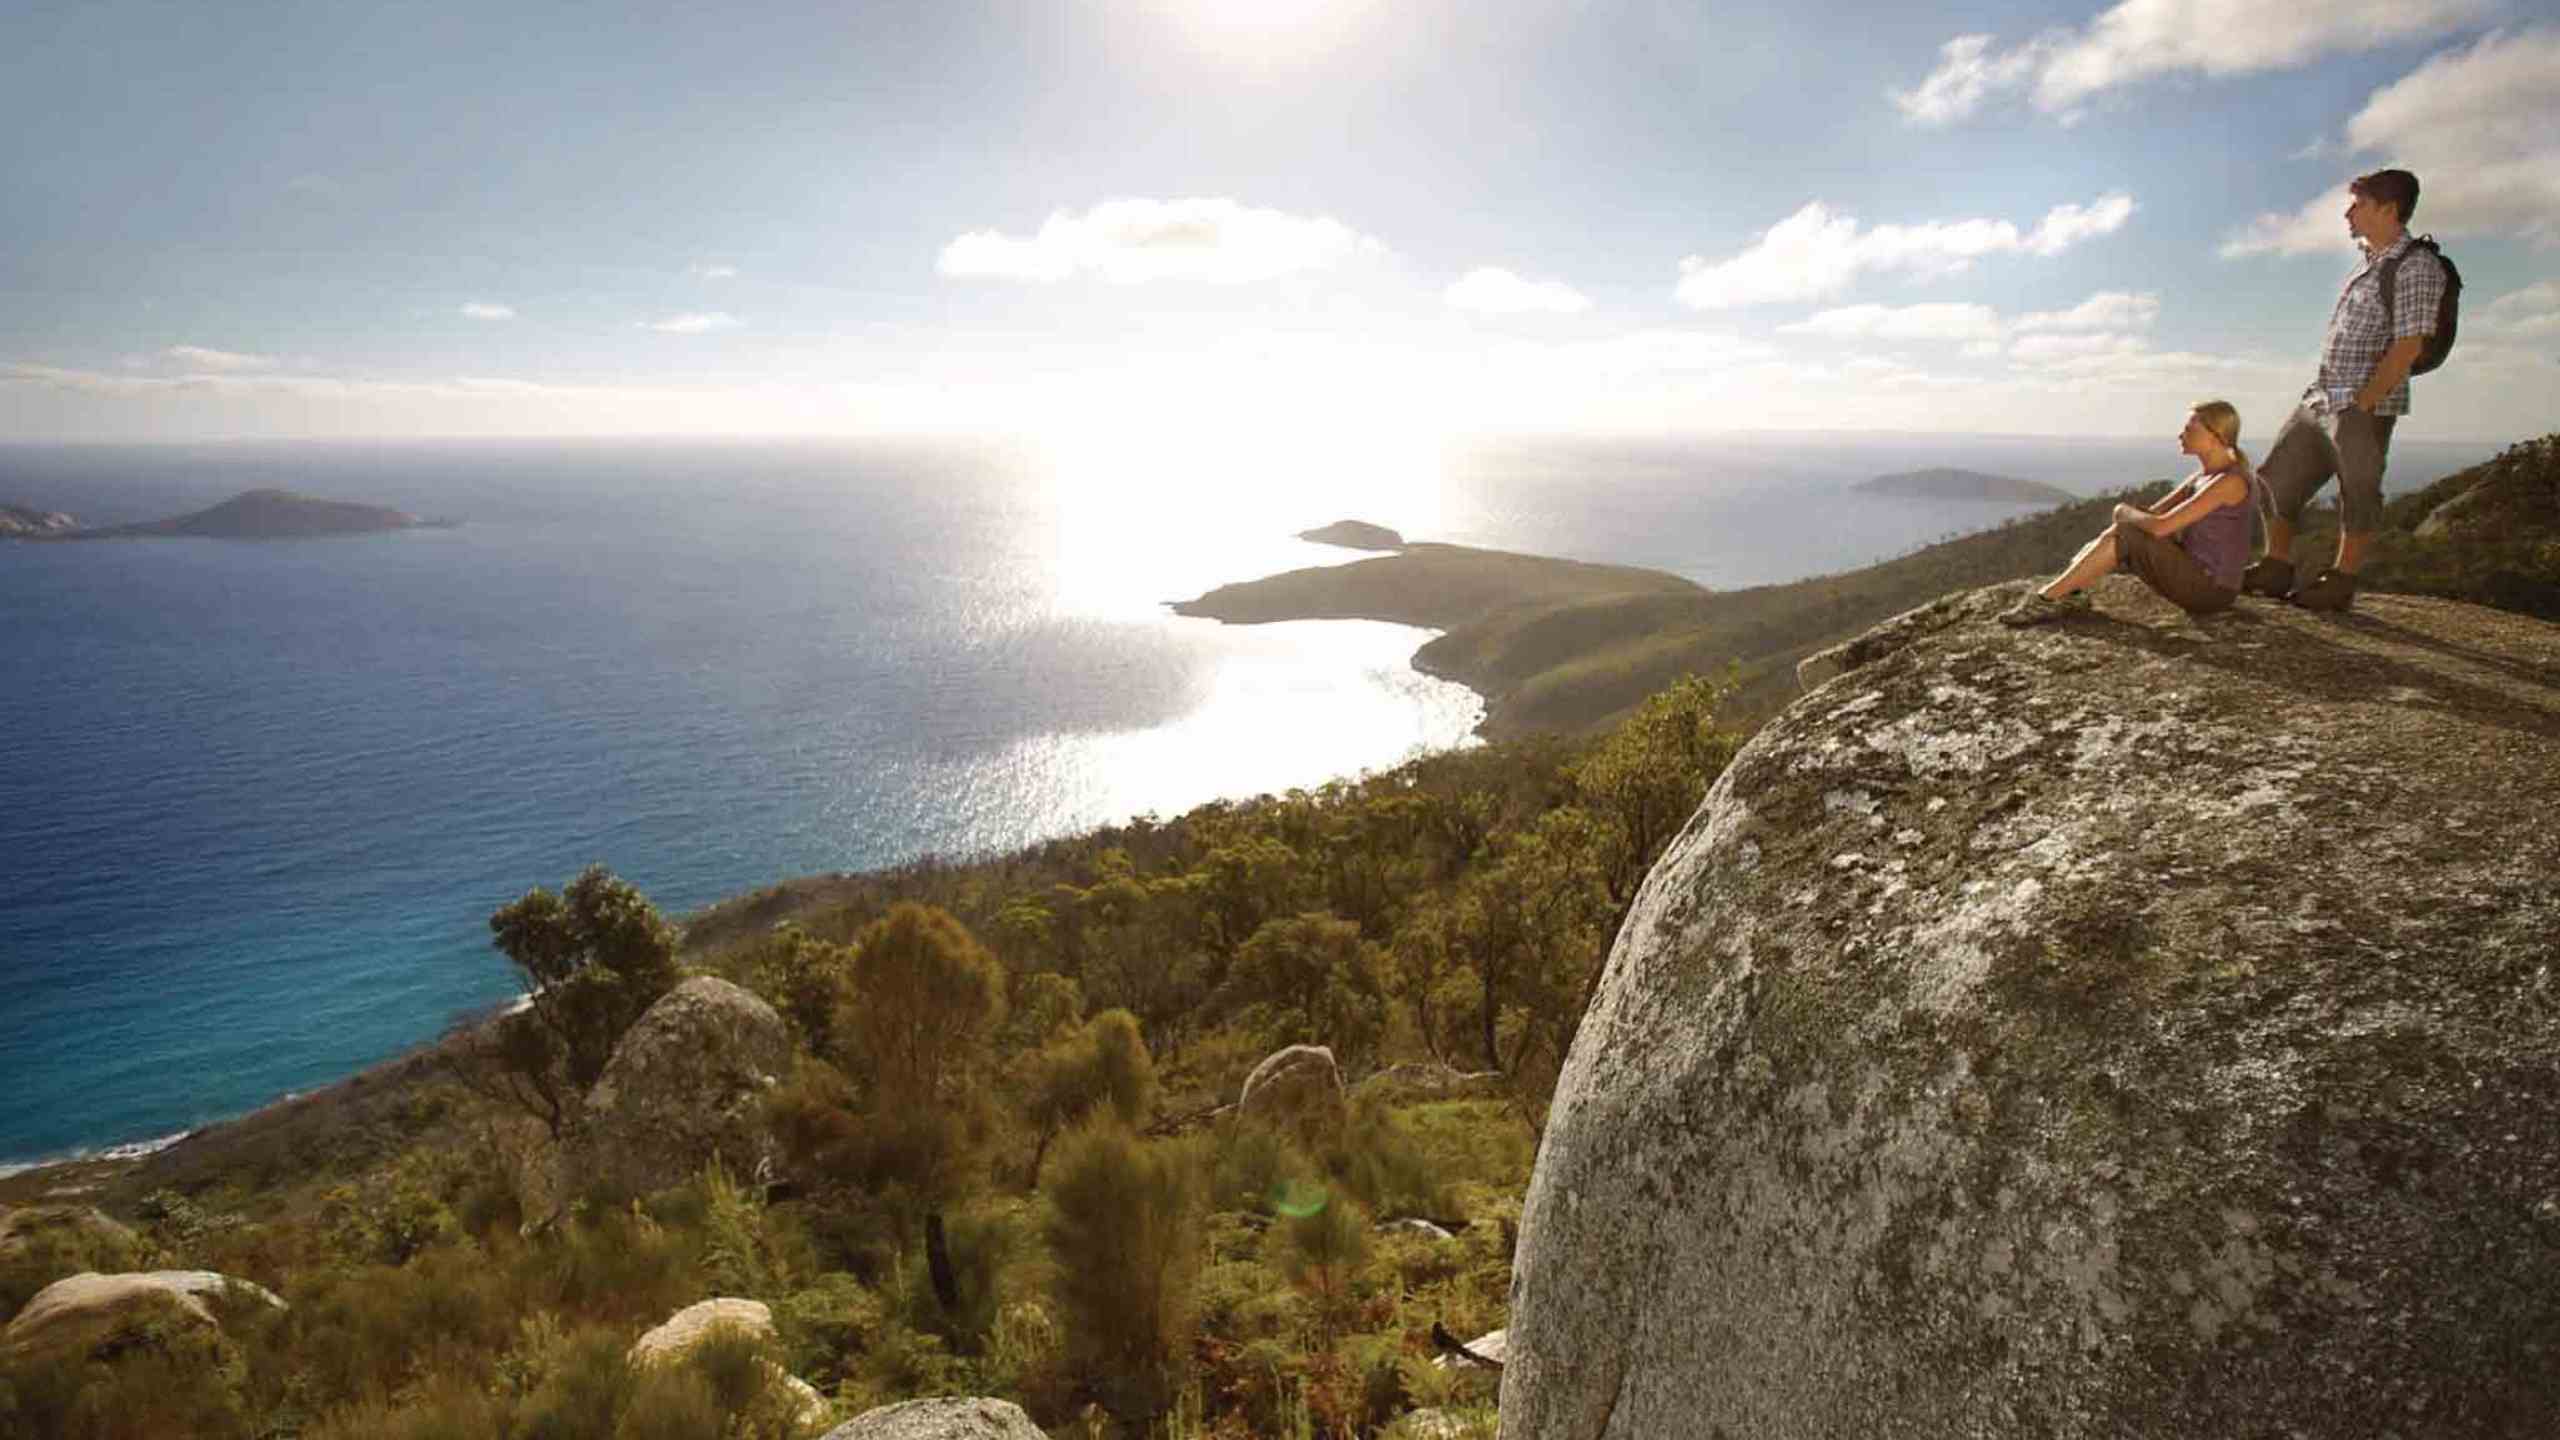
pixel 2038 608
pixel 2270 576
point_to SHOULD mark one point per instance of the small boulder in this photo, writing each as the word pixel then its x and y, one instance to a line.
pixel 78 1311
pixel 1299 1087
pixel 685 1084
pixel 675 1337
pixel 947 1417
pixel 680 1332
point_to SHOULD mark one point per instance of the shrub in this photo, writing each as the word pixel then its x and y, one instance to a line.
pixel 1125 1232
pixel 582 1395
pixel 825 1328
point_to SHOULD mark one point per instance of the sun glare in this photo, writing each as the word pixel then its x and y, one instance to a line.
pixel 1267 29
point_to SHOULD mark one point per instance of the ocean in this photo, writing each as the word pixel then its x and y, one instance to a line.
pixel 258 799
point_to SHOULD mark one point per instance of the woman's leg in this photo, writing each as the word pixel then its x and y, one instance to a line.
pixel 2095 561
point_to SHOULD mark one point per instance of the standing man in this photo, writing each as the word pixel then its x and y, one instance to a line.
pixel 2343 425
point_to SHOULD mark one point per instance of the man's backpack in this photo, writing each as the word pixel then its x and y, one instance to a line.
pixel 2448 309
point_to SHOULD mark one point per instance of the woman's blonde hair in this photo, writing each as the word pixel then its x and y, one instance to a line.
pixel 2222 418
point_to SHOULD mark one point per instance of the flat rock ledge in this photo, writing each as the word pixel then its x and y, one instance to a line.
pixel 949 1417
pixel 2127 1027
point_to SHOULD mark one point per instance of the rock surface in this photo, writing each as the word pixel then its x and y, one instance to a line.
pixel 1298 1085
pixel 676 1336
pixel 2124 1027
pixel 949 1417
pixel 17 521
pixel 685 1329
pixel 686 1083
pixel 80 1308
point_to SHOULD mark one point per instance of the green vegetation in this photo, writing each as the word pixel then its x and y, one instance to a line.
pixel 1009 1164
pixel 1008 1172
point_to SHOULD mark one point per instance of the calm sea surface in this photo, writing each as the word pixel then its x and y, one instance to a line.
pixel 257 800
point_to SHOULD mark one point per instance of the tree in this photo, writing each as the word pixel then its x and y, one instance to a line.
pixel 927 998
pixel 1105 1065
pixel 594 958
pixel 1310 979
pixel 1125 1226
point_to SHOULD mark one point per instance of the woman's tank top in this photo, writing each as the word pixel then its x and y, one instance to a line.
pixel 2220 541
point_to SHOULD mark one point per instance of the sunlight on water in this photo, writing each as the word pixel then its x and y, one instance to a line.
pixel 1142 517
pixel 1278 715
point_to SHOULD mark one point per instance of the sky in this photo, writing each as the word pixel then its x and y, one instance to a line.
pixel 1221 219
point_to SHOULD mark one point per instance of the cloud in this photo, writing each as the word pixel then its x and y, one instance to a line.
pixel 714 272
pixel 699 323
pixel 2143 39
pixel 2106 310
pixel 1815 254
pixel 1904 322
pixel 1132 241
pixel 484 310
pixel 2478 125
pixel 2072 347
pixel 219 361
pixel 1967 74
pixel 1490 291
pixel 2531 312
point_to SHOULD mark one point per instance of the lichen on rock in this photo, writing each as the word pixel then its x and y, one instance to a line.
pixel 686 1085
pixel 2133 1026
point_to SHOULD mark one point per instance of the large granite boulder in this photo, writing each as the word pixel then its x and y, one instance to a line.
pixel 2125 1028
pixel 675 1337
pixel 948 1417
pixel 686 1083
pixel 1297 1087
pixel 81 1312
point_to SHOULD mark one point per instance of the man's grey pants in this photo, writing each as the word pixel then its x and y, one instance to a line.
pixel 2314 445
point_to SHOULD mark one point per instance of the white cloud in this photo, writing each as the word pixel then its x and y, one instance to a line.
pixel 2531 312
pixel 219 361
pixel 1967 74
pixel 1901 322
pixel 2072 347
pixel 484 310
pixel 2142 39
pixel 698 323
pixel 1492 291
pixel 1815 254
pixel 714 272
pixel 2479 126
pixel 2106 310
pixel 1135 240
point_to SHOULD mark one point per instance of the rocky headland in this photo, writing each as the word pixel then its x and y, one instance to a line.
pixel 250 515
pixel 22 522
pixel 2131 1027
pixel 1946 482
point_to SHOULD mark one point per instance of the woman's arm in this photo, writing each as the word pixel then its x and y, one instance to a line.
pixel 2227 488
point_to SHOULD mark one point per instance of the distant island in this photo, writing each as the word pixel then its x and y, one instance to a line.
pixel 250 515
pixel 1354 535
pixel 1946 482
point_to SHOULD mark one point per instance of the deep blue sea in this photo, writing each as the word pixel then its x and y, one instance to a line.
pixel 257 800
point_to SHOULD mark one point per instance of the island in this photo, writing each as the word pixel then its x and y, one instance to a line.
pixel 1947 482
pixel 1567 645
pixel 1354 535
pixel 250 515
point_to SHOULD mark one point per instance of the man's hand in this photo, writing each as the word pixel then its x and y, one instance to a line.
pixel 2389 372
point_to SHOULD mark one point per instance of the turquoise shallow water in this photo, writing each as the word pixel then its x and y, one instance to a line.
pixel 257 800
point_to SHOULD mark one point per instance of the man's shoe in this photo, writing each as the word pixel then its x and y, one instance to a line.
pixel 2334 590
pixel 2038 608
pixel 2270 576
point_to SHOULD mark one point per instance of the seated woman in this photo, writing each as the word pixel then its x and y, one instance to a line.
pixel 2190 545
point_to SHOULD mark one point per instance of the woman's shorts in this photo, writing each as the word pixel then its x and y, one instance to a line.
pixel 2165 566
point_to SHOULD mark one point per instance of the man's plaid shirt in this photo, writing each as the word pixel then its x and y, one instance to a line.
pixel 2358 334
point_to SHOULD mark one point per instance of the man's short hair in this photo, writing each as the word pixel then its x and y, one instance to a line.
pixel 2395 188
